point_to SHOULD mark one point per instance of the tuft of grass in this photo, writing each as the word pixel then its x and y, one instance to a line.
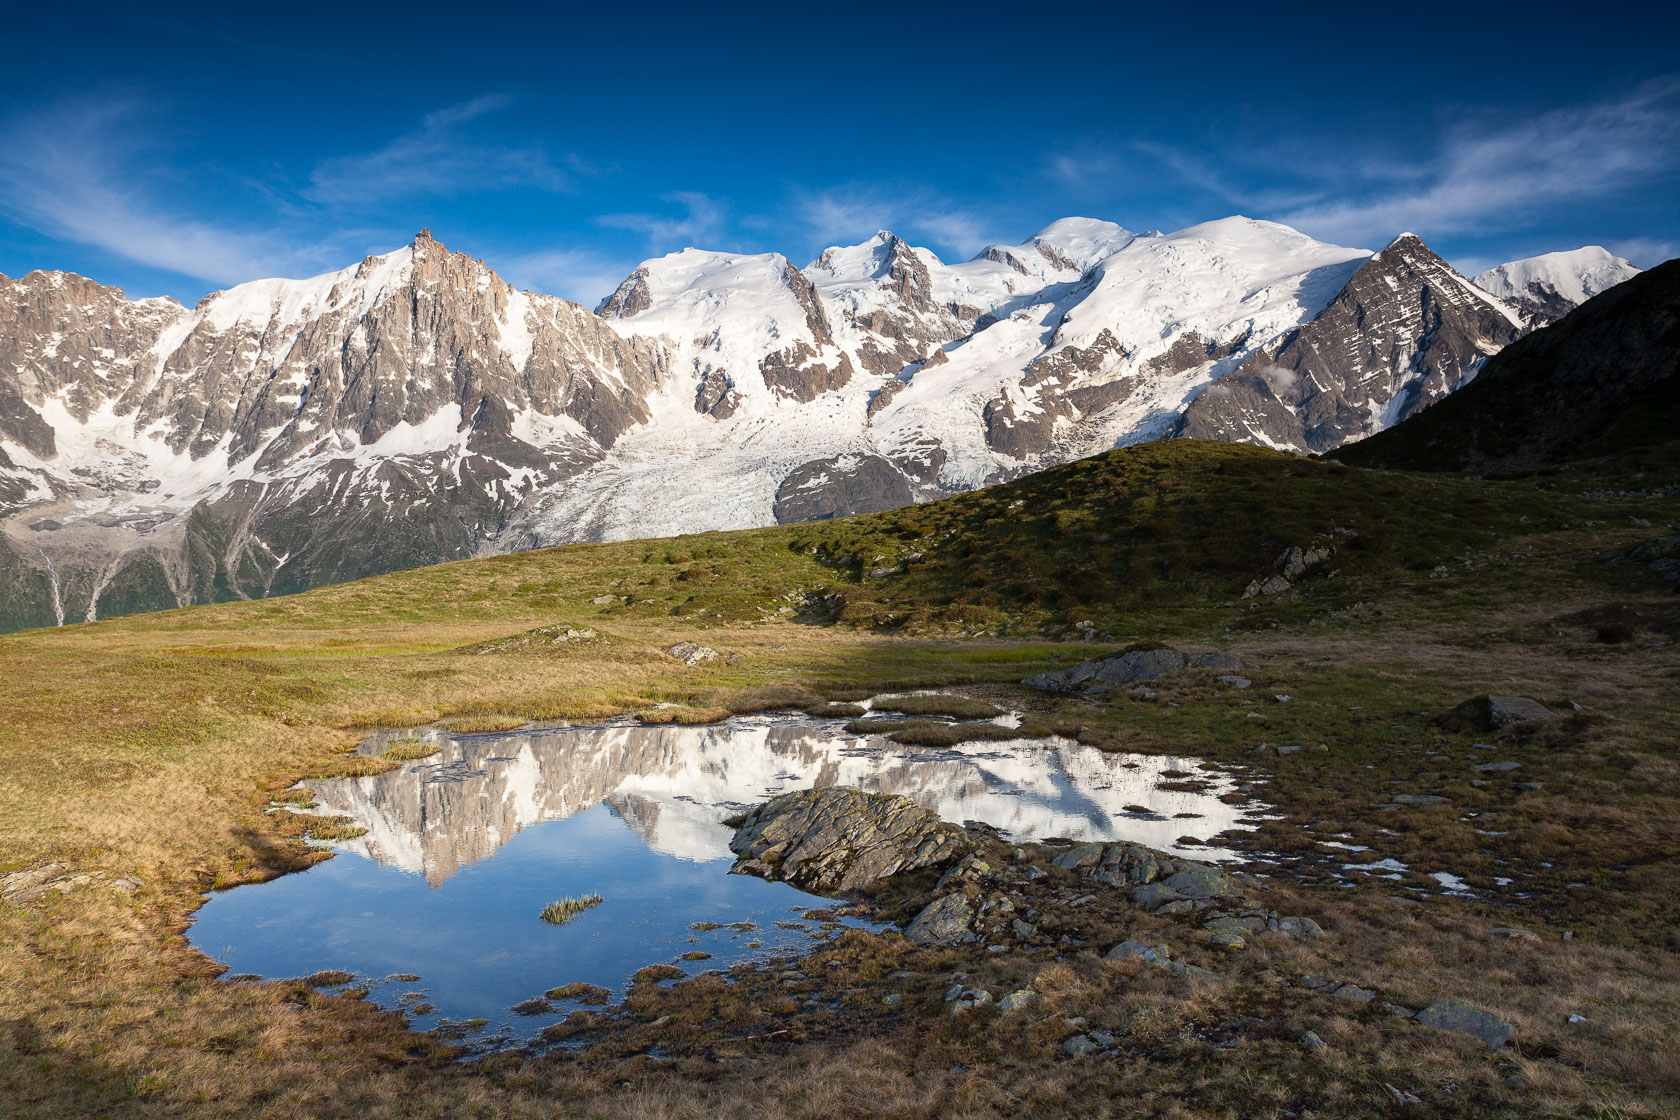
pixel 358 766
pixel 563 910
pixel 410 748
pixel 336 828
pixel 938 704
pixel 683 715
pixel 830 709
pixel 533 1007
pixel 579 991
pixel 483 725
pixel 330 978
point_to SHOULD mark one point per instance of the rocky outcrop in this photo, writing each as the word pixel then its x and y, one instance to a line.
pixel 841 839
pixel 841 486
pixel 289 433
pixel 1603 379
pixel 1131 667
pixel 1404 332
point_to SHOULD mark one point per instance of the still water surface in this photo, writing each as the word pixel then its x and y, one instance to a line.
pixel 463 849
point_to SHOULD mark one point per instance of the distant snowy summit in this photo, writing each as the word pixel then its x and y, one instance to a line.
pixel 1549 286
pixel 415 407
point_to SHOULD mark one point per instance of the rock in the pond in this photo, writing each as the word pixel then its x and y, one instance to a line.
pixel 842 839
pixel 947 920
pixel 1461 1018
pixel 693 653
pixel 1491 713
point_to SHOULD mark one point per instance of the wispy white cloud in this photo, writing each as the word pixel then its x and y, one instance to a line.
pixel 846 215
pixel 440 158
pixel 1489 177
pixel 1646 252
pixel 702 221
pixel 88 173
pixel 580 275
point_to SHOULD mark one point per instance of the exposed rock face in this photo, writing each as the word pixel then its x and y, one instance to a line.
pixel 840 487
pixel 1404 332
pixel 1604 378
pixel 415 408
pixel 185 456
pixel 841 839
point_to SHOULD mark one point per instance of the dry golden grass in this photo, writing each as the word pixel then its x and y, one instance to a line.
pixel 152 747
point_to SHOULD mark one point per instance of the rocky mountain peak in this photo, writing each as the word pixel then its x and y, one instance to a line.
pixel 1405 330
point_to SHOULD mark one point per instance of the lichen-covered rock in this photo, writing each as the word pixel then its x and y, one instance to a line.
pixel 841 839
pixel 693 653
pixel 947 920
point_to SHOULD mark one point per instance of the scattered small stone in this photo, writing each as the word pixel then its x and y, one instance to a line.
pixel 893 999
pixel 1401 1096
pixel 1497 767
pixel 1311 1041
pixel 1577 1018
pixel 1397 1009
pixel 1235 680
pixel 1080 1045
pixel 1513 933
pixel 1419 799
pixel 1354 994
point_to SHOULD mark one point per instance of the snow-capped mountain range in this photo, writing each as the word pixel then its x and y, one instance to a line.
pixel 416 408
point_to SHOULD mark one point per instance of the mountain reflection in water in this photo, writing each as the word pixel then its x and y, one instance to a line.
pixel 673 786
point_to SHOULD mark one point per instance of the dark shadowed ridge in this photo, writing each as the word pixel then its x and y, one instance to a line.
pixel 1603 379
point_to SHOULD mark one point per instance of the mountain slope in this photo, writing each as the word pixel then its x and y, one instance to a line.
pixel 416 408
pixel 1548 287
pixel 1603 378
pixel 1405 331
pixel 157 456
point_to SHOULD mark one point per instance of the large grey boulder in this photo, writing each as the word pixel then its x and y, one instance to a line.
pixel 1491 713
pixel 947 920
pixel 842 839
pixel 1459 1017
pixel 1128 668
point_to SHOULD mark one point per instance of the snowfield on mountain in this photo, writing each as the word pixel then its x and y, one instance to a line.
pixel 415 408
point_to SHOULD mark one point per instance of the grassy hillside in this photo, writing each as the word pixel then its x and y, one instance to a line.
pixel 150 746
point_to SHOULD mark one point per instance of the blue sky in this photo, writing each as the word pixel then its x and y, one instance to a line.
pixel 178 149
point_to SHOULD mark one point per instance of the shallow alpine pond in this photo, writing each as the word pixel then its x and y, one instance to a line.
pixel 436 908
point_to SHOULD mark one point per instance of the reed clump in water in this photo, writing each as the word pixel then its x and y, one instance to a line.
pixel 563 910
pixel 409 749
